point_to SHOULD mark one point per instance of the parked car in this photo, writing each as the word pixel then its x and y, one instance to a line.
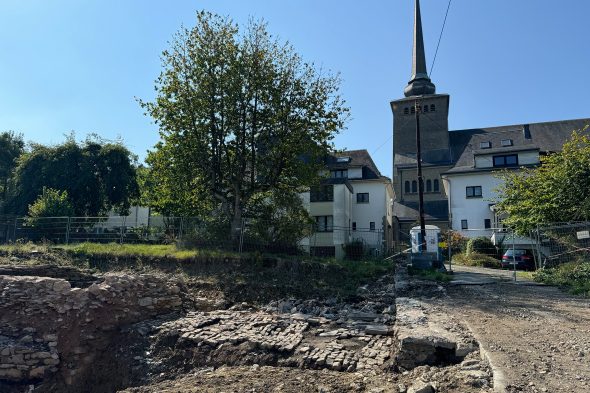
pixel 523 259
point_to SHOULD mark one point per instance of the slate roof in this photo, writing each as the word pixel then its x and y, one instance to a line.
pixel 358 158
pixel 545 137
pixel 433 211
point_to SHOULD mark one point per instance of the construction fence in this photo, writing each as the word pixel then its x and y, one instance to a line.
pixel 544 247
pixel 194 232
pixel 563 242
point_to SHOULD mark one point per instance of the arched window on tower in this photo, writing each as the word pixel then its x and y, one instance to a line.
pixel 425 108
pixel 406 111
pixel 432 108
pixel 414 186
pixel 428 185
pixel 436 186
pixel 407 187
pixel 413 110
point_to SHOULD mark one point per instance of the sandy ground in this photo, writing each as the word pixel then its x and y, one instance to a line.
pixel 537 337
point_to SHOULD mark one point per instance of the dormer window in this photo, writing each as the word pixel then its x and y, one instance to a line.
pixel 343 159
pixel 425 108
pixel 506 160
pixel 432 108
pixel 485 145
pixel 340 174
pixel 506 142
pixel 413 110
pixel 406 111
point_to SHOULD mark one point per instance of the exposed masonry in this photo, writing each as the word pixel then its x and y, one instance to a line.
pixel 55 334
pixel 301 337
pixel 50 329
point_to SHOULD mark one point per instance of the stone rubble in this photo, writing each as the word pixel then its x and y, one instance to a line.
pixel 47 327
pixel 311 345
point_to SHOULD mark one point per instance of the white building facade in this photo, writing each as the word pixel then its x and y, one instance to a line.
pixel 354 203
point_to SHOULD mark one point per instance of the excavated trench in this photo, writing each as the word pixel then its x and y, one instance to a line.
pixel 116 331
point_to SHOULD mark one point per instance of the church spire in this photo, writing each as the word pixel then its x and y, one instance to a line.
pixel 420 83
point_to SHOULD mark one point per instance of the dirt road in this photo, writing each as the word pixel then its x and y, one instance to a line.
pixel 537 337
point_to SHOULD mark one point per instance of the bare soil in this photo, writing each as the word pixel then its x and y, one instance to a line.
pixel 537 337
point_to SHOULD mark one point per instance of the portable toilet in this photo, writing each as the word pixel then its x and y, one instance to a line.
pixel 433 252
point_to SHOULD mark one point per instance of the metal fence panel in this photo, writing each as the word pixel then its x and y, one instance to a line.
pixel 564 242
pixel 252 235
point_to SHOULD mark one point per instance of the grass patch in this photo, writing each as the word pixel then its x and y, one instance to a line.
pixel 525 275
pixel 20 247
pixel 149 250
pixel 477 259
pixel 246 277
pixel 574 276
pixel 429 274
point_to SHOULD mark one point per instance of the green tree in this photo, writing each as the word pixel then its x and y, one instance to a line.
pixel 556 191
pixel 51 203
pixel 97 175
pixel 240 114
pixel 12 146
pixel 278 219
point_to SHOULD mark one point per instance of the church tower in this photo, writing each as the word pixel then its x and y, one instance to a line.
pixel 436 159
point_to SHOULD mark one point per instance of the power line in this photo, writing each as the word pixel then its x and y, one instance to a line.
pixel 439 38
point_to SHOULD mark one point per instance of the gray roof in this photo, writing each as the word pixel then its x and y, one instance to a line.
pixel 546 137
pixel 433 211
pixel 358 158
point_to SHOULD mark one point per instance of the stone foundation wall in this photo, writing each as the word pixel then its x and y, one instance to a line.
pixel 50 330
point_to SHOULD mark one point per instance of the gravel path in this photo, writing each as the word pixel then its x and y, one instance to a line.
pixel 537 337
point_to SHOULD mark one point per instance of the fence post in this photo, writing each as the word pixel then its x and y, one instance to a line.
pixel 180 229
pixel 68 231
pixel 241 236
pixel 14 234
pixel 513 255
pixel 450 252
pixel 122 229
pixel 540 258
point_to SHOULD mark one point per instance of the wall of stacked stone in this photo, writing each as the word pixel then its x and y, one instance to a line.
pixel 49 329
pixel 75 276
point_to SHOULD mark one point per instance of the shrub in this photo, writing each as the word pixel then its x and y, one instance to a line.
pixel 481 245
pixel 573 275
pixel 455 240
pixel 354 250
pixel 477 259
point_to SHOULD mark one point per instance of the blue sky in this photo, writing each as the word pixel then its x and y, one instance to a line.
pixel 78 65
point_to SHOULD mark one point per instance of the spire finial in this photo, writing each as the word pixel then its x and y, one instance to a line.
pixel 420 83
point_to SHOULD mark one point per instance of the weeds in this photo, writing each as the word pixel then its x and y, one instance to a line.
pixel 429 274
pixel 575 276
pixel 477 259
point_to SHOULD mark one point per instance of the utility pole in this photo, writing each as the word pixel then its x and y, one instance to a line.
pixel 418 108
